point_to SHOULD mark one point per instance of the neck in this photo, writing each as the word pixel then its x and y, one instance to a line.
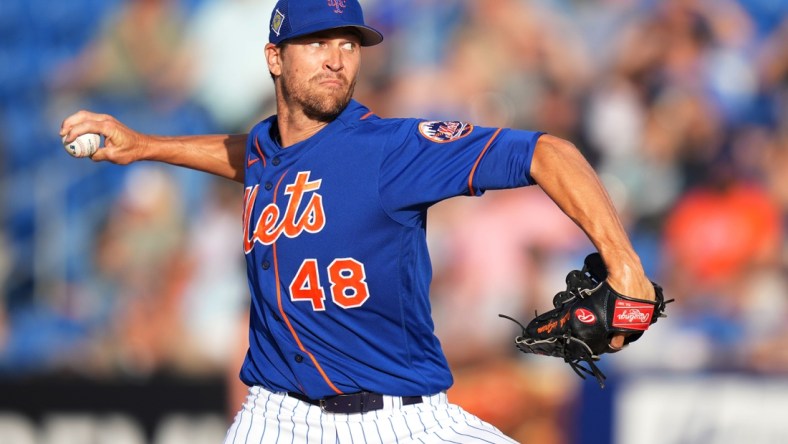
pixel 294 125
pixel 293 130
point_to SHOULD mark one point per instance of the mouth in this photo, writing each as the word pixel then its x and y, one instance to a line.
pixel 331 82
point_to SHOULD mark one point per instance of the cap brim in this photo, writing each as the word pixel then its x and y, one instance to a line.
pixel 369 36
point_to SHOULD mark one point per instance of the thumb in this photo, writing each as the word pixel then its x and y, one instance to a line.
pixel 100 155
pixel 617 342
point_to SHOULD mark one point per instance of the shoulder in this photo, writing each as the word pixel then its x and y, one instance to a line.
pixel 357 115
pixel 363 122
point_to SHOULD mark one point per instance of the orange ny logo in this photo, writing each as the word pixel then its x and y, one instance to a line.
pixel 339 5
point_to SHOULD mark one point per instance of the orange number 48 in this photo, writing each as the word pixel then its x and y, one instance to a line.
pixel 347 279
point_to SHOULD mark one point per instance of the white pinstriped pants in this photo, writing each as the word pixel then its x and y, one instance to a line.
pixel 268 418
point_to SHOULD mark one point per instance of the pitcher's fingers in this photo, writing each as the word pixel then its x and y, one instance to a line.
pixel 103 127
pixel 100 155
pixel 616 342
pixel 78 118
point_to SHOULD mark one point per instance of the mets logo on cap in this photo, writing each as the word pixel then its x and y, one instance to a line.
pixel 338 5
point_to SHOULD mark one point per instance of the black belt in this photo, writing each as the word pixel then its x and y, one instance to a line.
pixel 361 402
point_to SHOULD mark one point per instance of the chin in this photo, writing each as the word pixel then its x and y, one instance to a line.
pixel 326 112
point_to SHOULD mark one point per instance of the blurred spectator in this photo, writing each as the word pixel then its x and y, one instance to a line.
pixel 137 56
pixel 168 291
pixel 141 270
pixel 717 234
pixel 226 39
pixel 489 259
pixel 531 405
pixel 215 296
pixel 722 262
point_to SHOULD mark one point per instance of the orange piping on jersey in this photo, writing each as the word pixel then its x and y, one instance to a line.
pixel 259 151
pixel 284 315
pixel 479 159
pixel 365 116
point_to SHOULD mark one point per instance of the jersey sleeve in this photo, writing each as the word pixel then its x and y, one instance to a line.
pixel 431 161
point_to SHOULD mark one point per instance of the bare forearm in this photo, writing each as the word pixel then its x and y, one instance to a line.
pixel 567 178
pixel 222 155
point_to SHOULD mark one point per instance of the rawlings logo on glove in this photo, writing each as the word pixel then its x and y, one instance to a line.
pixel 586 316
pixel 632 315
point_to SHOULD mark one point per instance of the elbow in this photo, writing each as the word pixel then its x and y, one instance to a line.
pixel 553 155
pixel 548 144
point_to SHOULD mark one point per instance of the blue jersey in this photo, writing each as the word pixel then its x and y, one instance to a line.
pixel 335 243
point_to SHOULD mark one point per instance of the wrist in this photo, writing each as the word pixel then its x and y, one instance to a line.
pixel 622 262
pixel 151 147
pixel 625 272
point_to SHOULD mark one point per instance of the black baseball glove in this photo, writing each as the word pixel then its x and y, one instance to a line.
pixel 585 318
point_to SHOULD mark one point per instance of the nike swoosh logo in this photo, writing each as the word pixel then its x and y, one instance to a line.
pixel 251 161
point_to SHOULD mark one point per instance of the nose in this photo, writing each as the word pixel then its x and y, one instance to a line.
pixel 334 60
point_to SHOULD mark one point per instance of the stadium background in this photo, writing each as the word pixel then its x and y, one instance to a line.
pixel 122 302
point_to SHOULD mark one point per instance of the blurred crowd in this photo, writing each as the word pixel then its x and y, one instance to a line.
pixel 681 106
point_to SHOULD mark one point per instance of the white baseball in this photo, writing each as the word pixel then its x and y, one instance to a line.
pixel 84 145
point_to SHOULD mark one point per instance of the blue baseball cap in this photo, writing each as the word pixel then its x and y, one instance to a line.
pixel 296 18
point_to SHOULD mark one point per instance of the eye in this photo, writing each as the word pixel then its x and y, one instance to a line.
pixel 349 46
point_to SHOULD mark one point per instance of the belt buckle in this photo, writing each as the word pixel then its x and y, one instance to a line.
pixel 346 404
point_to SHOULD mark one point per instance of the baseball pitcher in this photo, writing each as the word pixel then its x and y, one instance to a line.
pixel 341 342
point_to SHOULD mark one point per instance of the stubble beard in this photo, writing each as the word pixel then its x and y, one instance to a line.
pixel 323 107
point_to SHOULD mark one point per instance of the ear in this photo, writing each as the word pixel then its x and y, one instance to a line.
pixel 274 59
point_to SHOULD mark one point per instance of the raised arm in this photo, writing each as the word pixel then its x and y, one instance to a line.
pixel 565 175
pixel 219 154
